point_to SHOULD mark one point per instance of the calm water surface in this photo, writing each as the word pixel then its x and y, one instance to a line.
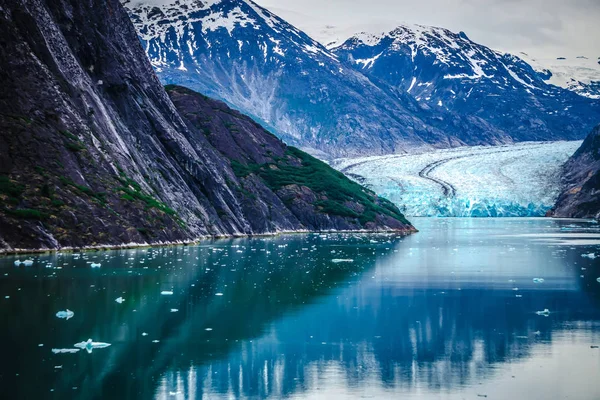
pixel 448 313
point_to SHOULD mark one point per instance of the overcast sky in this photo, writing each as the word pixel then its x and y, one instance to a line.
pixel 543 28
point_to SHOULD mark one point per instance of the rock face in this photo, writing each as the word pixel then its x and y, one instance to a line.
pixel 93 151
pixel 581 196
pixel 416 87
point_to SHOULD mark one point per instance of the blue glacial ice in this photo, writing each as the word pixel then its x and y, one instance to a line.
pixel 67 314
pixel 521 180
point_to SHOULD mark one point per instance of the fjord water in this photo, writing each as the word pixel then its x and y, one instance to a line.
pixel 450 312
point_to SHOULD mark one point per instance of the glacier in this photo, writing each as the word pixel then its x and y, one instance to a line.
pixel 518 180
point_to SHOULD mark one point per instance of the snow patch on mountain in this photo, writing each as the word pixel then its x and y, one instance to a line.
pixel 498 181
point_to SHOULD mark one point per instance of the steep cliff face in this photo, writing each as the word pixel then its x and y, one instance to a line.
pixel 581 196
pixel 93 151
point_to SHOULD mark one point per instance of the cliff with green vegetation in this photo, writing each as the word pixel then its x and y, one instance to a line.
pixel 93 151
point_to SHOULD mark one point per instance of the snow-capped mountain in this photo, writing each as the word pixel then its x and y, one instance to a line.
pixel 448 71
pixel 317 99
pixel 263 66
pixel 580 74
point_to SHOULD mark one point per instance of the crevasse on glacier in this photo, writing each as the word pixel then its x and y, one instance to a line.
pixel 521 180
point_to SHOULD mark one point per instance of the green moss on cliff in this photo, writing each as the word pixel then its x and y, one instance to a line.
pixel 299 168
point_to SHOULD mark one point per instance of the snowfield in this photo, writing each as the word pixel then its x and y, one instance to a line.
pixel 499 181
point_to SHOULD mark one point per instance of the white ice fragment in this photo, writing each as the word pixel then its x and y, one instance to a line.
pixel 17 263
pixel 544 313
pixel 174 310
pixel 65 351
pixel 598 280
pixel 591 256
pixel 120 300
pixel 27 263
pixel 95 265
pixel 167 292
pixel 219 294
pixel 208 329
pixel 342 260
pixel 144 334
pixel 41 345
pixel 538 280
pixel 68 314
pixel 91 345
pixel 155 341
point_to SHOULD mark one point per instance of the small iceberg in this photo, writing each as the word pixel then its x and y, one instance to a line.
pixel 545 313
pixel 167 292
pixel 95 265
pixel 342 260
pixel 598 280
pixel 538 280
pixel 591 256
pixel 65 351
pixel 120 300
pixel 91 345
pixel 67 314
pixel 27 263
pixel 174 310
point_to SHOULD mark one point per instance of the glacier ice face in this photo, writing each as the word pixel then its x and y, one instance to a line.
pixel 521 180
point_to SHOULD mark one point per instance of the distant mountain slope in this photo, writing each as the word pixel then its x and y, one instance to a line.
pixel 243 54
pixel 93 152
pixel 580 74
pixel 447 71
pixel 581 179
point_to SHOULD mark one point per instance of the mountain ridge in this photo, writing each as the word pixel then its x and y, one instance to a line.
pixel 322 101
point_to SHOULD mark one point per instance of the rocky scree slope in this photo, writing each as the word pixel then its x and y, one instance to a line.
pixel 93 152
pixel 581 179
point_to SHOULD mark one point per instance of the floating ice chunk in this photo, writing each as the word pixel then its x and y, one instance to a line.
pixel 167 292
pixel 68 314
pixel 208 329
pixel 95 265
pixel 589 255
pixel 17 263
pixel 174 310
pixel 544 313
pixel 144 334
pixel 120 300
pixel 155 341
pixel 91 345
pixel 41 345
pixel 65 351
pixel 538 280
pixel 27 263
pixel 598 280
pixel 342 260
pixel 219 294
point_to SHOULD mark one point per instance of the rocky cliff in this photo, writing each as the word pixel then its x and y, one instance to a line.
pixel 93 151
pixel 581 179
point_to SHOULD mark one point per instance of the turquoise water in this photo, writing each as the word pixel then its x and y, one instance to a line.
pixel 450 312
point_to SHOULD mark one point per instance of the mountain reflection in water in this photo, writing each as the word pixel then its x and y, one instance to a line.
pixel 449 312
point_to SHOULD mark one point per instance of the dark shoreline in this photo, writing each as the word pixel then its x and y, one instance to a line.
pixel 12 252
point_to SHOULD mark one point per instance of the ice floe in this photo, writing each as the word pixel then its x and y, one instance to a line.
pixel 90 345
pixel 67 314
